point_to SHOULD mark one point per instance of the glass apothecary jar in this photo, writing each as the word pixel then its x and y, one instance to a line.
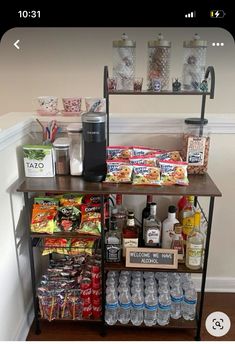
pixel 159 52
pixel 124 62
pixel 194 63
pixel 61 150
pixel 76 149
pixel 196 145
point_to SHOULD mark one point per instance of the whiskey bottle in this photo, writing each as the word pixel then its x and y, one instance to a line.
pixel 113 243
pixel 130 233
pixel 145 215
pixel 152 228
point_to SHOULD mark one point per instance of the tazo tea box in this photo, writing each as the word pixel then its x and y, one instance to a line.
pixel 38 161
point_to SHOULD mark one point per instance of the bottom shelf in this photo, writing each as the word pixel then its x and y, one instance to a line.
pixel 179 323
pixel 81 320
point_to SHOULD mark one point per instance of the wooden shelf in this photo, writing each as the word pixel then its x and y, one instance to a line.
pixel 199 185
pixel 121 266
pixel 162 93
pixel 179 323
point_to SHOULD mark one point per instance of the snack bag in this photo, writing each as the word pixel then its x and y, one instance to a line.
pixel 141 150
pixel 118 172
pixel 68 218
pixel 119 152
pixel 91 219
pixel 173 172
pixel 58 245
pixel 82 246
pixel 71 200
pixel 46 201
pixel 169 155
pixel 43 219
pixel 143 160
pixel 146 175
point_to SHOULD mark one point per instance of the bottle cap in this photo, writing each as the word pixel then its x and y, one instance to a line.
pixel 172 209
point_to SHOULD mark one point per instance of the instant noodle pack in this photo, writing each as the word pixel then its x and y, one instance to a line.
pixel 145 166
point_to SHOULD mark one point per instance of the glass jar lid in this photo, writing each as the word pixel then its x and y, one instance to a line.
pixel 195 43
pixel 62 142
pixel 124 42
pixel 160 42
pixel 75 127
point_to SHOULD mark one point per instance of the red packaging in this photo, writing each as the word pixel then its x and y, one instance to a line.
pixel 87 301
pixel 96 301
pixel 96 312
pixel 95 268
pixel 87 312
pixel 85 288
pixel 96 285
pixel 96 292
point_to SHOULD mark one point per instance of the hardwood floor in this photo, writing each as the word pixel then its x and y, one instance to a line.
pixel 75 331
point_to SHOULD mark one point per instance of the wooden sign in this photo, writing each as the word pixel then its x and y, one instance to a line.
pixel 151 258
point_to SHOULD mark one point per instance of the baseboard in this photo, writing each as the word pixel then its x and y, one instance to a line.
pixel 24 326
pixel 216 284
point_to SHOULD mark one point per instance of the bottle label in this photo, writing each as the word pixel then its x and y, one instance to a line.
pixel 178 299
pixel 125 305
pixel 167 236
pixel 113 253
pixel 129 242
pixel 130 222
pixel 196 150
pixel 164 307
pixel 188 224
pixel 111 305
pixel 190 302
pixel 150 308
pixel 153 236
pixel 195 254
pixel 139 306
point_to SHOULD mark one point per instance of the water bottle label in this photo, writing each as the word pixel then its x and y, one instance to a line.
pixel 190 302
pixel 176 299
pixel 111 305
pixel 151 308
pixel 164 307
pixel 125 305
pixel 138 306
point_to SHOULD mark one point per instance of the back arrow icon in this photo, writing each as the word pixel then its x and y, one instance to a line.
pixel 16 44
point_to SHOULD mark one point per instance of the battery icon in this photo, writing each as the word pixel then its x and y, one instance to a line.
pixel 217 14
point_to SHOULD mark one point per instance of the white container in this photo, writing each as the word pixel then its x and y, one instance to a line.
pixel 38 161
pixel 168 227
pixel 76 149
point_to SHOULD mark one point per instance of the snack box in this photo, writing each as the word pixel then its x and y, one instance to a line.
pixel 38 161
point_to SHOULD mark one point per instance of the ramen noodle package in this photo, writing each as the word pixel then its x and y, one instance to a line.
pixel 146 175
pixel 119 152
pixel 143 160
pixel 173 172
pixel 118 172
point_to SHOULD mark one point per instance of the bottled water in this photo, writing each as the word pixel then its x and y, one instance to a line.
pixel 111 282
pixel 111 307
pixel 136 285
pixel 148 274
pixel 150 309
pixel 176 301
pixel 124 306
pixel 189 304
pixel 137 310
pixel 164 308
pixel 135 274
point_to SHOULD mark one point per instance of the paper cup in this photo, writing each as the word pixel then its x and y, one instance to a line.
pixel 72 104
pixel 48 103
pixel 95 104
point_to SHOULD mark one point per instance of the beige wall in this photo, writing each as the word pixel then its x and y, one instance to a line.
pixel 70 61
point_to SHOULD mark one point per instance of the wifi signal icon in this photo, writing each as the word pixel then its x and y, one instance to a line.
pixel 191 15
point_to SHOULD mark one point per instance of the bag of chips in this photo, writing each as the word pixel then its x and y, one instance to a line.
pixel 56 245
pixel 146 175
pixel 118 172
pixel 173 172
pixel 82 246
pixel 91 219
pixel 43 219
pixel 119 152
pixel 71 200
pixel 68 218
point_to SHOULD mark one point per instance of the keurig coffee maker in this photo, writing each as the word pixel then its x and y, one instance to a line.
pixel 94 136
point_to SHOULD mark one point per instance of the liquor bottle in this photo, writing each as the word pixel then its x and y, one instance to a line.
pixel 113 243
pixel 177 241
pixel 152 228
pixel 187 217
pixel 119 212
pixel 130 233
pixel 168 227
pixel 145 215
pixel 195 244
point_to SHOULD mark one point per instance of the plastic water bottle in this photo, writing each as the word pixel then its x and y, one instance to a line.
pixel 189 304
pixel 176 301
pixel 148 274
pixel 150 308
pixel 137 273
pixel 124 306
pixel 164 308
pixel 111 307
pixel 137 310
